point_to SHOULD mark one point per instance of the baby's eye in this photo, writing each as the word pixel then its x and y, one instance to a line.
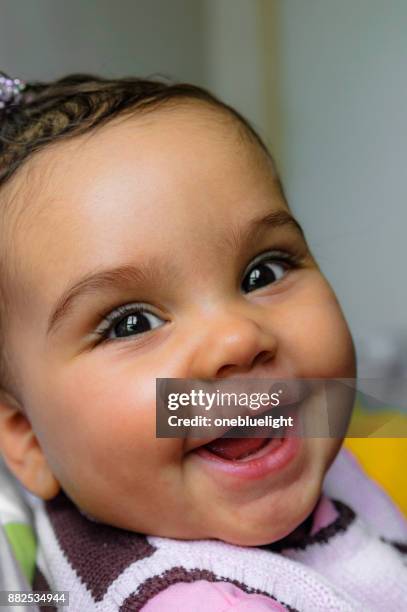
pixel 265 270
pixel 129 320
pixel 135 323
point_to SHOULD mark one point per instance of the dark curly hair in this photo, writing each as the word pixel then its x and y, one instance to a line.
pixel 77 103
pixel 47 113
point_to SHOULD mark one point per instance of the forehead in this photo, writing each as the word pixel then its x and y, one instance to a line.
pixel 180 144
pixel 98 197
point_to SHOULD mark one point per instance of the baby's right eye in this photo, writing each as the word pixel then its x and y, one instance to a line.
pixel 128 320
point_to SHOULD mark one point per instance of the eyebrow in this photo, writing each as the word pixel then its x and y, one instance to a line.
pixel 273 220
pixel 121 276
pixel 152 270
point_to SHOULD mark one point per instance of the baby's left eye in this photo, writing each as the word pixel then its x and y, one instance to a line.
pixel 263 273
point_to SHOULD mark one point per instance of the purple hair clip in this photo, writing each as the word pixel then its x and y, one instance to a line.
pixel 10 91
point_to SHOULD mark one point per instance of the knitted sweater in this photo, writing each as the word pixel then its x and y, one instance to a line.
pixel 336 560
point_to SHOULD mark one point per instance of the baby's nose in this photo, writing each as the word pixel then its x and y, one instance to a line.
pixel 232 344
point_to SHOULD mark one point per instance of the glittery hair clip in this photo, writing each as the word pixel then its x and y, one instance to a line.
pixel 10 91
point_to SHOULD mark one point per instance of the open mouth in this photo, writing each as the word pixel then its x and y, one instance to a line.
pixel 241 449
pixel 247 458
pixel 244 449
pixel 253 451
pixel 231 447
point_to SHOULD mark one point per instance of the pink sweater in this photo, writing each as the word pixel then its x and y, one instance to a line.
pixel 337 545
pixel 202 596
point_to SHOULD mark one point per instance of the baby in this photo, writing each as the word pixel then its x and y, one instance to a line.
pixel 144 235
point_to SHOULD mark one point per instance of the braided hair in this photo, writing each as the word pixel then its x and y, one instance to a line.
pixel 49 112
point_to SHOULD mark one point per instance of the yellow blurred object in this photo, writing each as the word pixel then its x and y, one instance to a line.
pixel 374 443
pixel 384 460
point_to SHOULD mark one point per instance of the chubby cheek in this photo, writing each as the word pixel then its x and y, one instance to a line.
pixel 100 431
pixel 317 335
pixel 321 346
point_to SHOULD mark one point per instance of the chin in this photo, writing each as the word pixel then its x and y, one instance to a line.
pixel 266 527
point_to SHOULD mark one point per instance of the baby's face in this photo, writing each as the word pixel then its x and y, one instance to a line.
pixel 163 212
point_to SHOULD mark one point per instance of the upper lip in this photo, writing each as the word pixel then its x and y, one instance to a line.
pixel 294 392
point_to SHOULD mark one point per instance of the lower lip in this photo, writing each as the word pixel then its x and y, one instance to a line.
pixel 274 457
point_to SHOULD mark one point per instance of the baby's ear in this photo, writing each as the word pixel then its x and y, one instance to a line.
pixel 21 450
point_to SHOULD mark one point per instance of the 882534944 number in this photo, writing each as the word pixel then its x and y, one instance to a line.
pixel 27 598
